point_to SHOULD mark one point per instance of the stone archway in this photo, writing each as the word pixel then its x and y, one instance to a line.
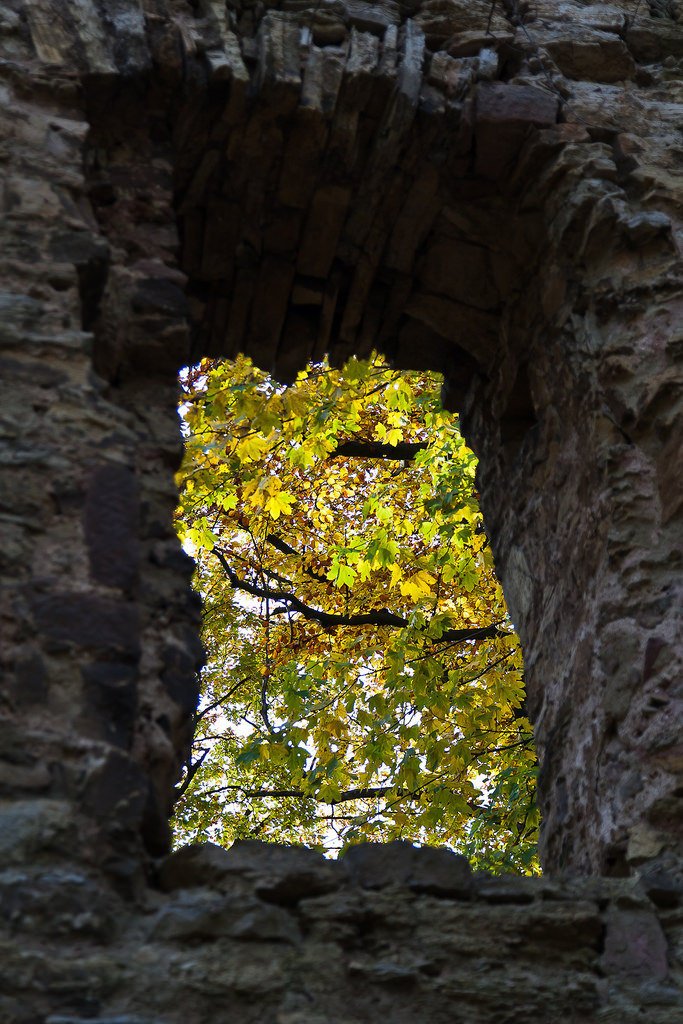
pixel 340 187
pixel 477 190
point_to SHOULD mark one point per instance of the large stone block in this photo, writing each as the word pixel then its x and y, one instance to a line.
pixel 88 621
pixel 112 525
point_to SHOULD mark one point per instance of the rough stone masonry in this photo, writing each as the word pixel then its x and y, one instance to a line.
pixel 491 190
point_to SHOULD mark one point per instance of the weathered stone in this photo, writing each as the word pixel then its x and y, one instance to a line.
pixel 503 118
pixel 440 872
pixel 280 874
pixel 116 792
pixel 196 916
pixel 58 1018
pixel 375 865
pixel 652 40
pixel 461 272
pixel 385 972
pixel 111 525
pixel 87 621
pixel 28 684
pixel 588 54
pixel 29 828
pixel 475 188
pixel 505 889
pixel 266 923
pixel 203 864
pixel 663 884
pixel 63 903
pixel 321 234
pixel 469 44
pixel 159 295
pixel 15 778
pixel 458 323
pixel 635 945
pixel 111 693
pixel 199 915
pixel 179 673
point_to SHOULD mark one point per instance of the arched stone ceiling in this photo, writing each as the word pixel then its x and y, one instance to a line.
pixel 344 186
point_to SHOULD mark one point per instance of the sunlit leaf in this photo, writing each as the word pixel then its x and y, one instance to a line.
pixel 334 664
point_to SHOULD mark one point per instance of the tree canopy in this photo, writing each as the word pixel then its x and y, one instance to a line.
pixel 363 679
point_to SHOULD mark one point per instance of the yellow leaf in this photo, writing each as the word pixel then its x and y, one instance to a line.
pixel 418 585
pixel 251 448
pixel 279 504
pixel 364 570
pixel 396 574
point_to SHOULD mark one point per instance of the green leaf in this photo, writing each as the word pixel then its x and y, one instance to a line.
pixel 290 704
pixel 249 754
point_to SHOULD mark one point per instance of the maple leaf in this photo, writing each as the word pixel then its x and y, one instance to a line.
pixel 358 648
pixel 418 585
pixel 279 503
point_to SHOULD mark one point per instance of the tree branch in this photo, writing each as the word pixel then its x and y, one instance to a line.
pixel 264 704
pixel 352 794
pixel 405 451
pixel 217 703
pixel 192 770
pixel 379 617
pixel 287 549
pixel 362 793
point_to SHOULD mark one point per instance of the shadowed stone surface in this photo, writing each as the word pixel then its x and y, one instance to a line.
pixel 221 941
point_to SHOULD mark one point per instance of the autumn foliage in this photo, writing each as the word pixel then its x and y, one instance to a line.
pixel 363 680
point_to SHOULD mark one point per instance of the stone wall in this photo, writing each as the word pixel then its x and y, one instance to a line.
pixel 272 935
pixel 492 191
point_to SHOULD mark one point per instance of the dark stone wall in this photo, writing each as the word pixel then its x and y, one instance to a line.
pixel 491 193
pixel 268 934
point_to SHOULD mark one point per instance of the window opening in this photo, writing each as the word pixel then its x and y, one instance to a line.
pixel 363 679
